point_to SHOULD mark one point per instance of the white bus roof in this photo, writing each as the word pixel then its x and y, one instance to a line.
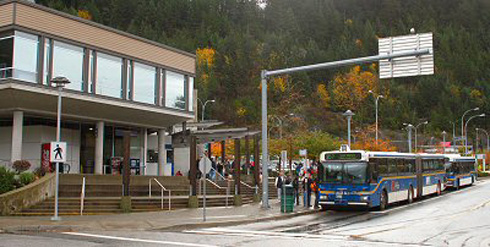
pixel 457 157
pixel 365 155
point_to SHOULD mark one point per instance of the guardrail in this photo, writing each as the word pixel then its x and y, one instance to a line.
pixel 162 190
pixel 227 188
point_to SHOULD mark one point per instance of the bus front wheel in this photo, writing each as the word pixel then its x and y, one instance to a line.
pixel 383 201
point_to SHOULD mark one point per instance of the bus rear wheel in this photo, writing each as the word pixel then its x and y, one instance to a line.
pixel 383 201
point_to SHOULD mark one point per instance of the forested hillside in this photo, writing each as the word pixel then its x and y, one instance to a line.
pixel 236 39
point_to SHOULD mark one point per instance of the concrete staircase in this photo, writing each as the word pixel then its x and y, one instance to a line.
pixel 103 195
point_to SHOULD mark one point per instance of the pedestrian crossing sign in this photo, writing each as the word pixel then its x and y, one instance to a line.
pixel 58 152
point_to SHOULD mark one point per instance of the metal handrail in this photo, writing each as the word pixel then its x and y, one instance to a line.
pixel 247 185
pixel 219 174
pixel 162 189
pixel 222 188
pixel 82 196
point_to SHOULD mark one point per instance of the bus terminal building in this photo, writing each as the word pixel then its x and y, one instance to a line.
pixel 118 83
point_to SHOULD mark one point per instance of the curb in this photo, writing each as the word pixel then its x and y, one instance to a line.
pixel 42 228
pixel 233 222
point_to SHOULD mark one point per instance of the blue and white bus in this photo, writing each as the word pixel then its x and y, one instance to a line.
pixel 377 179
pixel 461 171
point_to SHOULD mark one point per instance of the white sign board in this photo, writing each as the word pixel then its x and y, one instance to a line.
pixel 205 165
pixel 284 158
pixel 406 66
pixel 302 152
pixel 57 152
pixel 481 156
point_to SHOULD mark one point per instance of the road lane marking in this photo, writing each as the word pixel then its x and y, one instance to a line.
pixel 136 239
pixel 296 236
pixel 223 217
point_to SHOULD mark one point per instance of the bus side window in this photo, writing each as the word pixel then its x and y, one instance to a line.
pixel 401 168
pixel 382 167
pixel 392 166
pixel 373 172
pixel 410 166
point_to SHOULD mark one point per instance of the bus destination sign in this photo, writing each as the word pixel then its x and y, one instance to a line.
pixel 343 156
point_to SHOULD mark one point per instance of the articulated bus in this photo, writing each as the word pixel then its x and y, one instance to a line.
pixel 377 179
pixel 460 170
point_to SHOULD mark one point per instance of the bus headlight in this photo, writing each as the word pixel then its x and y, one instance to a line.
pixel 365 198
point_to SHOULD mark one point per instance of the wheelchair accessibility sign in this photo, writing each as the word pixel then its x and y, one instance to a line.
pixel 58 152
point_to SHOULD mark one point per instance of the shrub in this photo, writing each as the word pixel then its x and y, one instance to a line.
pixel 40 171
pixel 21 166
pixel 27 178
pixel 7 180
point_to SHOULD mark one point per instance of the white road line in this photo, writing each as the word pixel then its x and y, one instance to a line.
pixel 295 236
pixel 136 239
pixel 223 217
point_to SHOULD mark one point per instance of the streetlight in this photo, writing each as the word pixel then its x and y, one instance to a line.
pixel 488 137
pixel 444 142
pixel 348 114
pixel 426 122
pixel 377 97
pixel 466 131
pixel 280 121
pixel 463 136
pixel 59 83
pixel 409 128
pixel 204 106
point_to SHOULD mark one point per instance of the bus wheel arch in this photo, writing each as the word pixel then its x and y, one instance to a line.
pixel 383 200
pixel 439 188
pixel 410 194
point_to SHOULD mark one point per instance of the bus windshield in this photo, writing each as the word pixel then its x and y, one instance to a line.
pixel 345 172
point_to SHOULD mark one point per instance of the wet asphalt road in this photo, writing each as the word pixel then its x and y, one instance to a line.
pixel 458 218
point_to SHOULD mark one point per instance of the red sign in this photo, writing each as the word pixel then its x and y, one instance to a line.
pixel 45 157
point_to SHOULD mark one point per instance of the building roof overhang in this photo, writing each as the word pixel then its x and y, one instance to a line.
pixel 42 100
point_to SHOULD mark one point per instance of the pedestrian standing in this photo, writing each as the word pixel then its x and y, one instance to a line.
pixel 316 190
pixel 279 182
pixel 308 189
pixel 296 188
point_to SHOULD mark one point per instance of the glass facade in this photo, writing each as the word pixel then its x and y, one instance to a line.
pixel 26 48
pixel 109 75
pixel 99 73
pixel 144 83
pixel 6 56
pixel 174 90
pixel 68 62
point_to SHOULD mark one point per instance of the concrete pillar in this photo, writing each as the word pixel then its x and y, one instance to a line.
pixel 162 152
pixel 247 154
pixel 237 166
pixel 193 166
pixel 257 160
pixel 144 150
pixel 99 148
pixel 18 123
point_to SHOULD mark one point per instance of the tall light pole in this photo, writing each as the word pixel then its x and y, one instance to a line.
pixel 204 106
pixel 444 142
pixel 426 122
pixel 409 127
pixel 348 114
pixel 463 136
pixel 466 131
pixel 488 137
pixel 377 97
pixel 59 82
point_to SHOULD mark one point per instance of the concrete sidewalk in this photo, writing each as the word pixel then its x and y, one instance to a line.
pixel 162 220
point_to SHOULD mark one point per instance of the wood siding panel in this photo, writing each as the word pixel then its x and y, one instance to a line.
pixel 68 28
pixel 6 14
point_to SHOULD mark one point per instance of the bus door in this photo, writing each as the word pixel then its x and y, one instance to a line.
pixel 420 178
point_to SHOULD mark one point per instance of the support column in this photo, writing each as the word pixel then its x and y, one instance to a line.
pixel 257 160
pixel 223 153
pixel 99 148
pixel 18 123
pixel 126 173
pixel 247 154
pixel 162 152
pixel 193 200
pixel 236 177
pixel 144 151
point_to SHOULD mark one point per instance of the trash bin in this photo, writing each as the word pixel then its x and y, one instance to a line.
pixel 287 199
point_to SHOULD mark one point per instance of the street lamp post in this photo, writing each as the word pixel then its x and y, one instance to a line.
pixel 280 121
pixel 348 114
pixel 444 142
pixel 416 127
pixel 59 83
pixel 377 97
pixel 466 131
pixel 488 137
pixel 409 127
pixel 463 136
pixel 204 106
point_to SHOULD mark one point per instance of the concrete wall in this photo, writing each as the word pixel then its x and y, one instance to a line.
pixel 32 139
pixel 28 195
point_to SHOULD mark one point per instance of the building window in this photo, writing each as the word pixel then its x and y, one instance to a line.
pixel 26 48
pixel 144 83
pixel 109 75
pixel 68 62
pixel 6 56
pixel 174 90
pixel 191 94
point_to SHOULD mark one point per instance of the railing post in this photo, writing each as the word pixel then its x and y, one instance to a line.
pixel 227 194
pixel 169 200
pixel 149 188
pixel 82 196
pixel 162 197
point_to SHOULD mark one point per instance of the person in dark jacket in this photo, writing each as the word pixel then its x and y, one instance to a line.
pixel 296 188
pixel 316 190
